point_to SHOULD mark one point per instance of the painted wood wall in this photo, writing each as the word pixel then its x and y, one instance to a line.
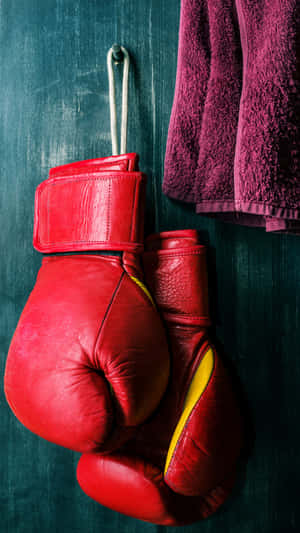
pixel 54 110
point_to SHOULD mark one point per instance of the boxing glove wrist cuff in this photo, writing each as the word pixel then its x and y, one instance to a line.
pixel 179 263
pixel 85 206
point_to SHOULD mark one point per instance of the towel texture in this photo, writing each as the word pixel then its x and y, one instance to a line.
pixel 233 142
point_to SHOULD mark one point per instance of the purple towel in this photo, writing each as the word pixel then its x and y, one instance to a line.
pixel 233 143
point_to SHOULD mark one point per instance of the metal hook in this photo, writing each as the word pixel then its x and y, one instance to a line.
pixel 112 98
pixel 117 53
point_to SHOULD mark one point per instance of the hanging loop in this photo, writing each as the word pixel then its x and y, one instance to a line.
pixel 117 54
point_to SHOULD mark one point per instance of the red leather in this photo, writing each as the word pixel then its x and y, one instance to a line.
pixel 134 486
pixel 89 359
pixel 202 470
pixel 123 162
pixel 88 206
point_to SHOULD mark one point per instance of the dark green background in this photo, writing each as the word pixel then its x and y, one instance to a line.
pixel 54 110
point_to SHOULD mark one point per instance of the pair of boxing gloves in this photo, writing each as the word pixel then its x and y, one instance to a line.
pixel 111 356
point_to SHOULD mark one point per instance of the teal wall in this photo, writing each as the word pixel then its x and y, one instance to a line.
pixel 54 110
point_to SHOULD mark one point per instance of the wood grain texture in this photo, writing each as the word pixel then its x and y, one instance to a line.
pixel 54 110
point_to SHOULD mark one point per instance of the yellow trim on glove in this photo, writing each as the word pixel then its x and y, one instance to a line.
pixel 144 288
pixel 197 387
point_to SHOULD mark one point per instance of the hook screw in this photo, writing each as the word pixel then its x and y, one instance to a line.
pixel 117 53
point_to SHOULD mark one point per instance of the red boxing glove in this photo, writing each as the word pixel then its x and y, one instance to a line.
pixel 181 465
pixel 89 359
